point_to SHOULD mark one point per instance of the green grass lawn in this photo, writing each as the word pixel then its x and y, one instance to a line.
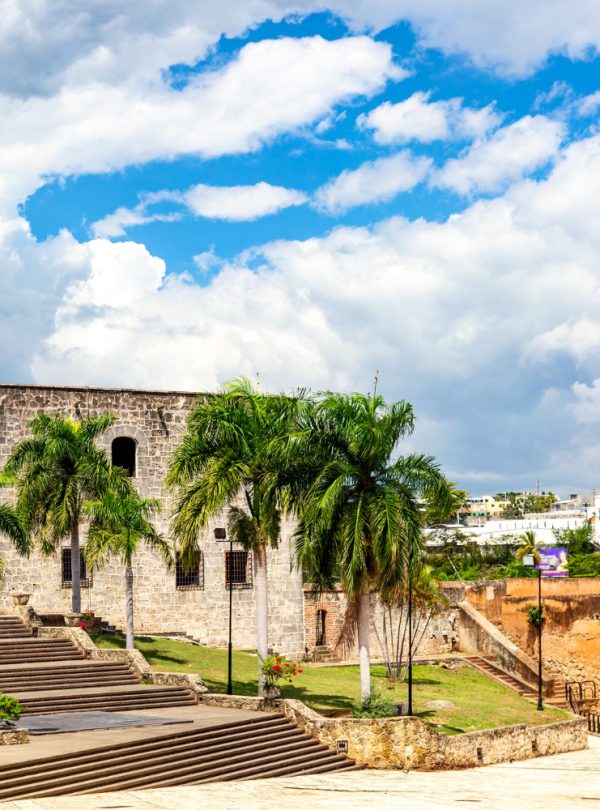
pixel 479 702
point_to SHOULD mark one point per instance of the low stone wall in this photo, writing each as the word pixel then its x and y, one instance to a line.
pixel 477 634
pixel 571 637
pixel 409 743
pixel 14 736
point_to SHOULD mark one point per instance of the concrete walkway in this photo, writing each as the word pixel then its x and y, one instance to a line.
pixel 551 783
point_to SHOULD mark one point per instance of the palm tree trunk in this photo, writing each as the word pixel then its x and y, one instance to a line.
pixel 260 585
pixel 129 645
pixel 75 570
pixel 364 656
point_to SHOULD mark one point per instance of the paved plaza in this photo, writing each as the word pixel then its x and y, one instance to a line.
pixel 551 783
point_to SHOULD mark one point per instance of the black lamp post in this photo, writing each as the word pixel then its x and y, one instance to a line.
pixel 221 536
pixel 410 633
pixel 410 644
pixel 529 560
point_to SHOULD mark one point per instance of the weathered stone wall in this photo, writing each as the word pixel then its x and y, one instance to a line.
pixel 571 634
pixel 409 743
pixel 156 422
pixel 440 635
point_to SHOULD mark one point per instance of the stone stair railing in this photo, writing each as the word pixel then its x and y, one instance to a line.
pixel 477 634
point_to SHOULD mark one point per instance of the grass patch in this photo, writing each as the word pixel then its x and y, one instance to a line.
pixel 479 702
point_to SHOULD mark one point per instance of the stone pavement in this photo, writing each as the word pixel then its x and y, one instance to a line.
pixel 553 783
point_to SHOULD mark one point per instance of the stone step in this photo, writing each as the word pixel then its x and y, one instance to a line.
pixel 262 747
pixel 491 669
pixel 106 699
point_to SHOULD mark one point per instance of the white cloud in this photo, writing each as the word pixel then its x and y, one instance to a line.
pixel 578 339
pixel 419 119
pixel 238 203
pixel 117 223
pixel 231 203
pixel 46 45
pixel 586 402
pixel 458 302
pixel 589 105
pixel 505 156
pixel 374 181
pixel 271 87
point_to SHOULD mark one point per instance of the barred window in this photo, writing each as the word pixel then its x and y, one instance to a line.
pixel 67 576
pixel 238 569
pixel 189 579
pixel 321 628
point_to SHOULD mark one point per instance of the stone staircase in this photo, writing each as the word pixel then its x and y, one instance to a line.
pixel 264 747
pixel 49 676
pixel 491 668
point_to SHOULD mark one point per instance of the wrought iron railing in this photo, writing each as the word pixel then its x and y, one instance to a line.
pixel 578 693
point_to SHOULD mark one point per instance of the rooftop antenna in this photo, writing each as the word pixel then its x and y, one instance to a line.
pixel 375 381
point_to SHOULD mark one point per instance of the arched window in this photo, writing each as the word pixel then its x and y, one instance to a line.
pixel 123 454
pixel 321 624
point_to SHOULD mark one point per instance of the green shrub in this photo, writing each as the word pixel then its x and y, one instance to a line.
pixel 10 708
pixel 535 615
pixel 374 706
pixel 584 565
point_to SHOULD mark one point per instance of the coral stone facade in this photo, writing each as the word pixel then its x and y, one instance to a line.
pixel 149 425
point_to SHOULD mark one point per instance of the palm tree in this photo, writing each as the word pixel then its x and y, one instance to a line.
pixel 56 470
pixel 225 453
pixel 13 526
pixel 527 546
pixel 119 523
pixel 360 517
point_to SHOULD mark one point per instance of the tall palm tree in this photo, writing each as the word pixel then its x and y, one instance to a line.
pixel 119 524
pixel 225 453
pixel 360 515
pixel 56 471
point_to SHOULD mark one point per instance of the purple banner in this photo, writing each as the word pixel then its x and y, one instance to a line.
pixel 553 562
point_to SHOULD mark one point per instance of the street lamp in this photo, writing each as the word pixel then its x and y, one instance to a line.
pixel 529 560
pixel 221 536
pixel 410 642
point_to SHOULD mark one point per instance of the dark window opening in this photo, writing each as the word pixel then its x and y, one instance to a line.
pixel 321 624
pixel 192 578
pixel 123 454
pixel 66 569
pixel 238 569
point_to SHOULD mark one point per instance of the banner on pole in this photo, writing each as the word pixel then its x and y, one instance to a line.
pixel 553 562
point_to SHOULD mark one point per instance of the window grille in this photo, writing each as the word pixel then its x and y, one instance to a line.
pixel 67 577
pixel 238 569
pixel 321 626
pixel 189 579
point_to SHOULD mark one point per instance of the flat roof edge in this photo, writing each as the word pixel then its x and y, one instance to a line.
pixel 97 389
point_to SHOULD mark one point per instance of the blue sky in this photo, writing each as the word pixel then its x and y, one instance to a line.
pixel 192 194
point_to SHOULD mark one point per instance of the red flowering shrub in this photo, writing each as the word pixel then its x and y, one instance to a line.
pixel 275 667
pixel 83 625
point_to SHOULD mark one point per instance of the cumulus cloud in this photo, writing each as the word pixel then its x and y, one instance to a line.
pixel 419 119
pixel 505 156
pixel 271 87
pixel 231 203
pixel 374 181
pixel 239 203
pixel 458 302
pixel 46 45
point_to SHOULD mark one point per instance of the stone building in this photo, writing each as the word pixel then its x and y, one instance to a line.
pixel 148 426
